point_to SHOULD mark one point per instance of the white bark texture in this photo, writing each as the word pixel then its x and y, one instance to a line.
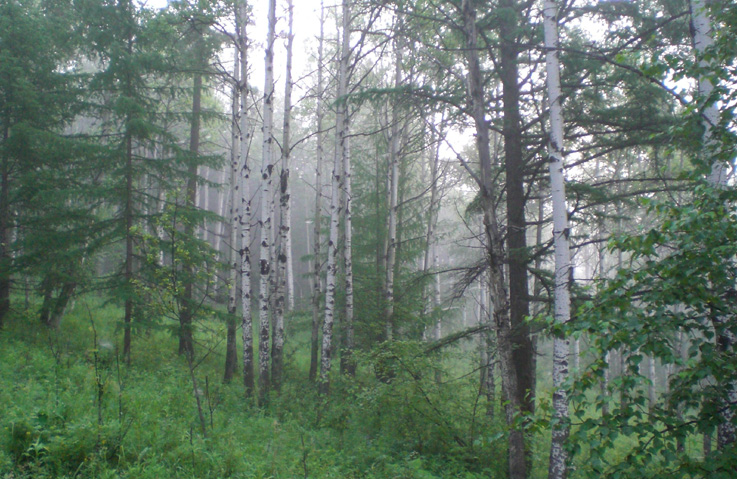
pixel 244 211
pixel 336 184
pixel 283 251
pixel 317 220
pixel 285 263
pixel 234 188
pixel 265 223
pixel 391 253
pixel 710 114
pixel 347 364
pixel 557 468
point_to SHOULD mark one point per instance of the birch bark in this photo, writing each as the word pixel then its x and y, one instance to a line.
pixel 336 184
pixel 317 220
pixel 391 253
pixel 244 211
pixel 558 468
pixel 701 23
pixel 283 255
pixel 234 210
pixel 266 221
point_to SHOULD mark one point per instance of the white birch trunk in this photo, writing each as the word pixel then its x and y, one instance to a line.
pixel 243 170
pixel 717 177
pixel 391 253
pixel 347 363
pixel 266 220
pixel 332 265
pixel 283 251
pixel 233 214
pixel 558 468
pixel 710 114
pixel 317 220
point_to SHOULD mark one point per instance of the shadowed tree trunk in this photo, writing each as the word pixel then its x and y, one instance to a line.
pixel 517 463
pixel 516 225
pixel 231 355
pixel 186 312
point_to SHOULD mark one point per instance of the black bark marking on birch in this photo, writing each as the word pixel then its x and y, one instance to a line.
pixel 264 267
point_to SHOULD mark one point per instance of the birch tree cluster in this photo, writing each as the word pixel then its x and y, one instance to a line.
pixel 460 229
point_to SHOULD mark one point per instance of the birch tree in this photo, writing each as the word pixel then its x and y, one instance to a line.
pixel 393 189
pixel 284 251
pixel 317 219
pixel 335 192
pixel 243 219
pixel 234 213
pixel 702 40
pixel 557 468
pixel 266 221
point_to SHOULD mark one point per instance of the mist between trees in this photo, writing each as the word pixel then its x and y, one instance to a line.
pixel 434 239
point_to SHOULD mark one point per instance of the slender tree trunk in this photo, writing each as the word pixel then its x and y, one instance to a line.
pixel 223 207
pixel 186 312
pixel 283 255
pixel 558 465
pixel 495 250
pixel 242 215
pixel 266 223
pixel 5 258
pixel 487 346
pixel 128 266
pixel 317 262
pixel 430 257
pixel 336 184
pixel 347 364
pixel 234 207
pixel 391 254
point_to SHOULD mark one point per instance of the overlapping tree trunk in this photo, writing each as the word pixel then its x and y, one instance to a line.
pixel 557 467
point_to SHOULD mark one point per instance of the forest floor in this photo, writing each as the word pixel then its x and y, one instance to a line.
pixel 71 408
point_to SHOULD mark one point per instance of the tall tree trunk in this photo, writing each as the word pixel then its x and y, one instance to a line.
pixel 558 465
pixel 244 212
pixel 186 312
pixel 234 208
pixel 5 258
pixel 495 250
pixel 128 266
pixel 317 220
pixel 222 208
pixel 701 28
pixel 347 363
pixel 393 183
pixel 516 225
pixel 285 245
pixel 266 223
pixel 336 185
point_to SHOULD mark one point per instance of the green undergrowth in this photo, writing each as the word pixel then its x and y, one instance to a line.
pixel 72 408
